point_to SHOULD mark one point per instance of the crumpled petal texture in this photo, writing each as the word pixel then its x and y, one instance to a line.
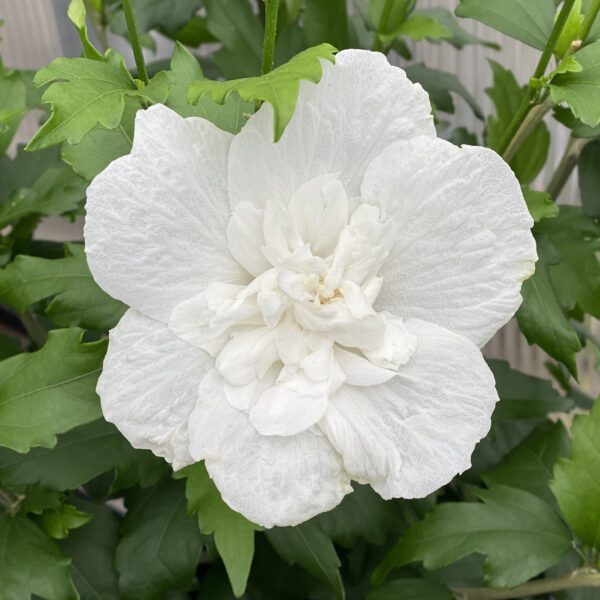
pixel 308 312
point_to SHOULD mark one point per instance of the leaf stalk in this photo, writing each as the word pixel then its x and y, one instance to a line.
pixel 271 14
pixel 589 20
pixel 134 38
pixel 580 578
pixel 529 100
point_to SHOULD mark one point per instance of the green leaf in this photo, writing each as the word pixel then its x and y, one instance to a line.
pixel 166 17
pixel 279 88
pixel 101 146
pixel 362 514
pixel 540 204
pixel 580 90
pixel 307 546
pixel 570 31
pixel 541 317
pixel 564 115
pixel 529 21
pixel 569 64
pixel 30 563
pixel 57 522
pixel 589 179
pixel 411 589
pixel 194 33
pixel 77 14
pixel 161 545
pixel 57 191
pixel 45 393
pixel 76 298
pixel 576 482
pixel 37 499
pixel 576 276
pixel 185 69
pixel 398 14
pixel 459 37
pixel 419 27
pixel 13 105
pixel 519 534
pixel 234 24
pixel 233 534
pixel 326 22
pixel 9 346
pixel 506 95
pixel 438 84
pixel 85 93
pixel 89 450
pixel 524 397
pixel 529 466
pixel 92 551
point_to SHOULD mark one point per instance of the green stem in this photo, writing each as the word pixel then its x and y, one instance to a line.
pixel 381 26
pixel 35 331
pixel 134 38
pixel 590 17
pixel 271 12
pixel 580 578
pixel 99 23
pixel 530 122
pixel 565 167
pixel 529 99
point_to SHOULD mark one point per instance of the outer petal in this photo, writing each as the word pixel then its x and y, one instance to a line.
pixel 149 386
pixel 464 244
pixel 156 219
pixel 361 105
pixel 414 433
pixel 271 480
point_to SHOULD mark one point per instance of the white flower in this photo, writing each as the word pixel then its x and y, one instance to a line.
pixel 308 312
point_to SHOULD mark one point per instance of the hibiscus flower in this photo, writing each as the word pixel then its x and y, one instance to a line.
pixel 308 312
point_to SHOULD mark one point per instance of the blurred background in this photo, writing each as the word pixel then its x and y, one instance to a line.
pixel 36 31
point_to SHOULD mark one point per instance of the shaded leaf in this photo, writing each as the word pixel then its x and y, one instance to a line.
pixel 529 466
pixel 77 300
pixel 30 562
pixel 307 546
pixel 92 551
pixel 589 179
pixel 524 397
pixel 519 534
pixel 326 22
pixel 89 451
pixel 43 394
pixel 411 589
pixel 233 534
pixel 576 482
pixel 438 84
pixel 160 544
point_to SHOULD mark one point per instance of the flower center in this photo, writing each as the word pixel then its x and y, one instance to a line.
pixel 306 324
pixel 321 293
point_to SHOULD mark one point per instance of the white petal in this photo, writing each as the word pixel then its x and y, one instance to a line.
pixel 156 219
pixel 361 105
pixel 320 212
pixel 271 480
pixel 464 244
pixel 247 356
pixel 360 371
pixel 289 407
pixel 414 433
pixel 245 238
pixel 397 345
pixel 149 386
